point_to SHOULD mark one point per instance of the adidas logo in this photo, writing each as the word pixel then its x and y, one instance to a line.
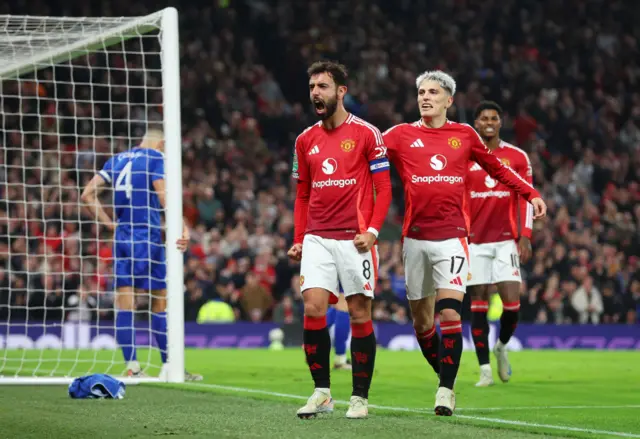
pixel 456 281
pixel 314 150
pixel 516 273
pixel 417 144
pixel 476 167
pixel 367 287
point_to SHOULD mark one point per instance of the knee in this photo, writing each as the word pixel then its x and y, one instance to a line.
pixel 449 309
pixel 479 292
pixel 125 300
pixel 423 324
pixel 158 304
pixel 314 309
pixel 158 301
pixel 359 308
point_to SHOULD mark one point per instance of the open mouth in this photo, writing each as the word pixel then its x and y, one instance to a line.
pixel 426 106
pixel 489 130
pixel 319 106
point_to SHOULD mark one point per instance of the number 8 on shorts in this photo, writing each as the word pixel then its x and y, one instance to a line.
pixel 329 263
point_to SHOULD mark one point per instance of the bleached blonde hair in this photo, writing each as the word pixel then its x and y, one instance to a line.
pixel 445 80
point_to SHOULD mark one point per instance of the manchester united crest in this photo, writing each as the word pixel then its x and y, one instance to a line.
pixel 505 162
pixel 454 142
pixel 347 145
pixel 301 280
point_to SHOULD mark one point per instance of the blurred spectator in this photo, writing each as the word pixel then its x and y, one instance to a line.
pixel 566 77
pixel 587 301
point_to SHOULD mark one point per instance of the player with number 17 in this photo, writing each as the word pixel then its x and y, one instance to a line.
pixel 432 157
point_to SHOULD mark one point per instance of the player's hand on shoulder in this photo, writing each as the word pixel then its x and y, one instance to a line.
pixel 539 208
pixel 295 252
pixel 364 241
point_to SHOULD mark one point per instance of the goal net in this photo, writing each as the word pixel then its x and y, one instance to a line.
pixel 74 92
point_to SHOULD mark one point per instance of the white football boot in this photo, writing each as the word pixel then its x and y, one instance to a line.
pixel 486 376
pixel 342 363
pixel 358 408
pixel 134 370
pixel 445 402
pixel 319 402
pixel 504 367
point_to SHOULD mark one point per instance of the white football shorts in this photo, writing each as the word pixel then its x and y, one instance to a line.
pixel 433 265
pixel 494 262
pixel 330 263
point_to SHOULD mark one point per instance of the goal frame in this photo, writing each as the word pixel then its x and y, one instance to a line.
pixel 170 59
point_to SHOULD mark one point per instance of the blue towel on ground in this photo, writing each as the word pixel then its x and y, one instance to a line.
pixel 97 385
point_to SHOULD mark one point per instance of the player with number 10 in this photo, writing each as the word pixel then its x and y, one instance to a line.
pixel 432 157
pixel 138 181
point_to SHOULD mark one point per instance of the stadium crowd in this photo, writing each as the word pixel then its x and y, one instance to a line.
pixel 566 74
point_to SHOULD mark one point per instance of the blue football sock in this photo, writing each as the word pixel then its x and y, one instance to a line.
pixel 331 316
pixel 341 332
pixel 159 328
pixel 125 333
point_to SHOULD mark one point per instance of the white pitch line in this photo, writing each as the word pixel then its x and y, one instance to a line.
pixel 549 426
pixel 411 410
pixel 549 407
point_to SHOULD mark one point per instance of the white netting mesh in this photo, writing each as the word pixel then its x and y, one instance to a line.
pixel 73 92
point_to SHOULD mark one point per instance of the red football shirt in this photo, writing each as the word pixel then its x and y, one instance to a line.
pixel 338 164
pixel 497 212
pixel 433 166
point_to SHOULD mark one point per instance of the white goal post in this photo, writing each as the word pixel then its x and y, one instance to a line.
pixel 74 92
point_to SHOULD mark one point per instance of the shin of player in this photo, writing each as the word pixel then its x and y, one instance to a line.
pixel 337 163
pixel 137 177
pixel 500 237
pixel 431 156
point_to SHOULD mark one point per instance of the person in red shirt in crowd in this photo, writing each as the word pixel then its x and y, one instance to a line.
pixel 499 217
pixel 432 157
pixel 338 162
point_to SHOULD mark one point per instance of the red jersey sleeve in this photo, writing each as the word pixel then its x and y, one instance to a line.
pixel 376 152
pixel 526 209
pixel 494 167
pixel 300 172
pixel 389 138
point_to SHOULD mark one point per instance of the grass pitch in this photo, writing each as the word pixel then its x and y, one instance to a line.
pixel 255 393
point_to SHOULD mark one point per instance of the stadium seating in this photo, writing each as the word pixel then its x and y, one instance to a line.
pixel 568 100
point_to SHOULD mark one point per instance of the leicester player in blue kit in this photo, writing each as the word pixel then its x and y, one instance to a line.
pixel 338 315
pixel 137 178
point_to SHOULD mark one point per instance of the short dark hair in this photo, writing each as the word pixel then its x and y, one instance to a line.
pixel 487 105
pixel 336 70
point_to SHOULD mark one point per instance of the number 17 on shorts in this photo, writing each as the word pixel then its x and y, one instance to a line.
pixel 434 265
